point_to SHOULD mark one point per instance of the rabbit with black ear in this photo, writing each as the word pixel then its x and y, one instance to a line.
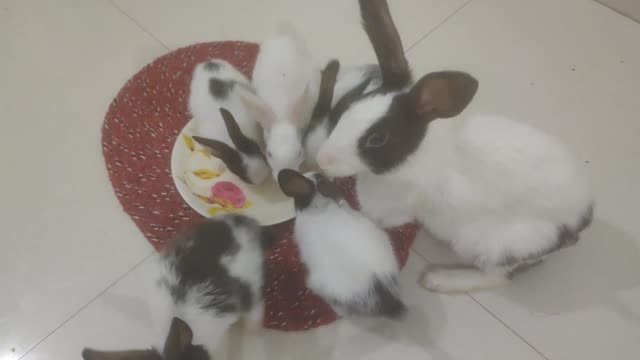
pixel 318 131
pixel 501 193
pixel 347 86
pixel 224 125
pixel 350 262
pixel 209 277
pixel 350 77
pixel 287 78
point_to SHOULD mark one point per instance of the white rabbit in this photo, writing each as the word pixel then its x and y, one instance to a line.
pixel 209 277
pixel 287 79
pixel 350 262
pixel 235 139
pixel 337 93
pixel 502 194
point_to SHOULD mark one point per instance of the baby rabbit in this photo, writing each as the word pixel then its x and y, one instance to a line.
pixel 208 278
pixel 218 90
pixel 501 193
pixel 350 262
pixel 286 77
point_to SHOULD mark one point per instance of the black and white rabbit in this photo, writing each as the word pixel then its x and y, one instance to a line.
pixel 209 277
pixel 350 262
pixel 339 89
pixel 217 91
pixel 501 193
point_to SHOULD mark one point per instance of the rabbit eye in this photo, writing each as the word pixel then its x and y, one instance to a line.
pixel 377 139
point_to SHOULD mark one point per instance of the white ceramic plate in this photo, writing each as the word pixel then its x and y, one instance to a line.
pixel 210 189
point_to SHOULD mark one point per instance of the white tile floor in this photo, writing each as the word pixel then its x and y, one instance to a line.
pixel 72 267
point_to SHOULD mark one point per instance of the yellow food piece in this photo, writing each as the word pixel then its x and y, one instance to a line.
pixel 204 152
pixel 189 141
pixel 205 174
pixel 204 199
pixel 213 210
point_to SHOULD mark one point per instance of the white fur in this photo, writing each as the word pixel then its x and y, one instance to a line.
pixel 347 79
pixel 489 186
pixel 210 329
pixel 313 142
pixel 247 262
pixel 352 76
pixel 457 280
pixel 205 110
pixel 394 205
pixel 339 154
pixel 286 150
pixel 287 79
pixel 344 251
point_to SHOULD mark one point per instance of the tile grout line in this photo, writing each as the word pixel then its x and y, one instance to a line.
pixel 121 10
pixel 619 12
pixel 490 312
pixel 135 266
pixel 508 327
pixel 437 26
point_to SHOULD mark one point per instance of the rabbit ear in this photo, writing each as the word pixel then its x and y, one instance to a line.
pixel 298 109
pixel 179 338
pixel 89 354
pixel 327 187
pixel 241 141
pixel 382 32
pixel 443 94
pixel 257 108
pixel 294 184
pixel 345 103
pixel 229 156
pixel 327 84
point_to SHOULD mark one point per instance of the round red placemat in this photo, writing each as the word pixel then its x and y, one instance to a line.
pixel 138 134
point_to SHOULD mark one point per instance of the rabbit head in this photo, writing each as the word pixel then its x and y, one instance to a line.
pixel 178 346
pixel 246 161
pixel 282 133
pixel 286 79
pixel 380 129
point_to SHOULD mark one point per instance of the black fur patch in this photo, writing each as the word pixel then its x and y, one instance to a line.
pixel 345 103
pixel 212 66
pixel 303 202
pixel 298 187
pixel 195 257
pixel 403 131
pixel 388 304
pixel 567 236
pixel 152 354
pixel 379 301
pixel 243 143
pixel 269 237
pixel 242 221
pixel 230 156
pixel 194 352
pixel 385 39
pixel 373 72
pixel 219 88
pixel 326 187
